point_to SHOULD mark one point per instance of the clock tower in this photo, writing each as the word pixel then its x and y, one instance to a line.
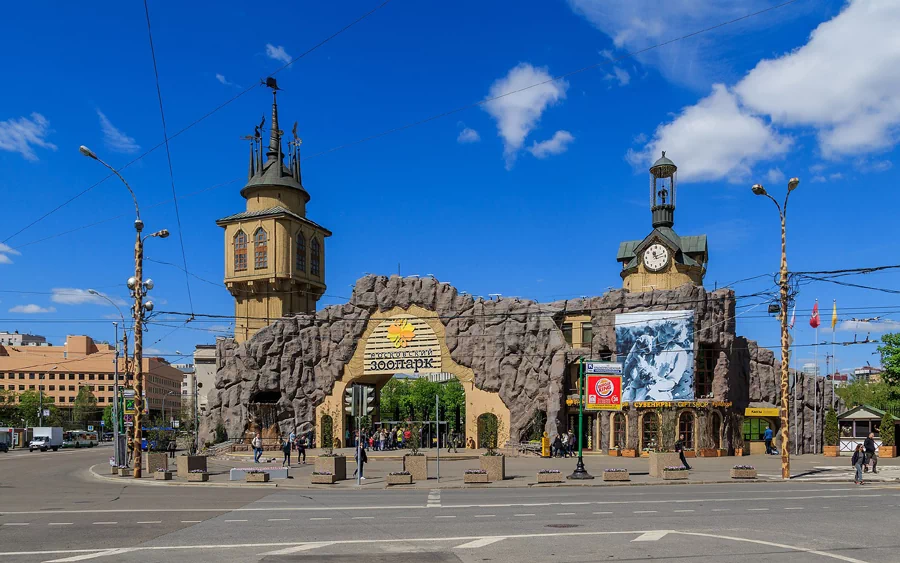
pixel 663 259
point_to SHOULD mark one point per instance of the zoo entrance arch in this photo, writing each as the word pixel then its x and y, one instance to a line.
pixel 402 341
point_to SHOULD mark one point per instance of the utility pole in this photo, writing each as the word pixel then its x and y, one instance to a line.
pixel 40 407
pixel 580 472
pixel 437 432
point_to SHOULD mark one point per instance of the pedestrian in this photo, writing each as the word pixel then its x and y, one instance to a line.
pixel 301 449
pixel 679 448
pixel 129 451
pixel 454 439
pixel 571 443
pixel 871 455
pixel 347 437
pixel 557 449
pixel 407 436
pixel 256 444
pixel 286 450
pixel 767 436
pixel 172 447
pixel 293 436
pixel 361 460
pixel 859 459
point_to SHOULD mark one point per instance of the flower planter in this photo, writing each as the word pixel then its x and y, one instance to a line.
pixel 721 452
pixel 660 460
pixel 495 465
pixel 125 472
pixel 162 476
pixel 187 463
pixel 709 452
pixel 151 461
pixel 114 470
pixel 743 474
pixel 336 465
pixel 887 451
pixel 476 478
pixel 614 453
pixel 830 451
pixel 739 452
pixel 322 479
pixel 257 477
pixel 690 453
pixel 198 477
pixel 673 475
pixel 417 465
pixel 549 477
pixel 616 476
pixel 629 453
pixel 399 479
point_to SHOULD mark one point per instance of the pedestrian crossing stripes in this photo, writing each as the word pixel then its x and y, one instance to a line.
pixel 434 498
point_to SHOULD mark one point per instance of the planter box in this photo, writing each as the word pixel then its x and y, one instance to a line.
pixel 739 452
pixel 476 478
pixel 399 479
pixel 887 451
pixel 162 475
pixel 690 453
pixel 743 474
pixel 322 479
pixel 257 477
pixel 151 461
pixel 672 475
pixel 125 472
pixel 495 465
pixel 709 452
pixel 722 452
pixel 417 465
pixel 659 461
pixel 616 476
pixel 187 463
pixel 114 470
pixel 198 477
pixel 550 477
pixel 337 466
pixel 614 453
pixel 629 453
pixel 830 451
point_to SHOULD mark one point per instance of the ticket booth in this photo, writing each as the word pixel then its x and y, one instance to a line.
pixel 756 421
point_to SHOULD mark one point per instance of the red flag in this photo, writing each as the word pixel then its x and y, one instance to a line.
pixel 814 319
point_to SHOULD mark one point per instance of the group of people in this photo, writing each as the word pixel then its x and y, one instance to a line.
pixel 564 445
pixel 865 458
pixel 298 442
pixel 383 439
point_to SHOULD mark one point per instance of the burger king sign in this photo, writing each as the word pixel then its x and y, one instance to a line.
pixel 604 392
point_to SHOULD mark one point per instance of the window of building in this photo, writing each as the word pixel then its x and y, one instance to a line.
pixel 80 377
pixel 755 429
pixel 30 376
pixel 40 376
pixel 101 376
pixel 53 387
pixel 91 376
pixel 260 249
pixel 567 332
pixel 587 334
pixel 71 399
pixel 71 387
pixel 21 387
pixel 314 257
pixel 240 251
pixel 71 376
pixel 686 427
pixel 31 387
pixel 102 399
pixel 649 431
pixel 40 387
pixel 21 376
pixel 618 433
pixel 52 376
pixel 301 253
pixel 3 376
pixel 706 365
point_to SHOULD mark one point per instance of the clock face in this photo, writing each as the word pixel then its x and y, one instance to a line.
pixel 656 257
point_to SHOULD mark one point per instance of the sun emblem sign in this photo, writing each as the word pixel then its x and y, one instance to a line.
pixel 400 333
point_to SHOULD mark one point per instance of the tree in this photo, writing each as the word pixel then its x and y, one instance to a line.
pixel 8 410
pixel 108 417
pixel 887 430
pixel 453 396
pixel 890 363
pixel 85 405
pixel 832 432
pixel 30 406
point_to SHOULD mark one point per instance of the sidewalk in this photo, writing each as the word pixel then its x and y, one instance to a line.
pixel 522 471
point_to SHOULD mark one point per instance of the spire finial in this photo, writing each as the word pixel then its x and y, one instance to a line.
pixel 274 134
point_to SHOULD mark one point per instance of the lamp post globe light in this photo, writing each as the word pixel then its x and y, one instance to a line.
pixel 116 451
pixel 759 190
pixel 139 310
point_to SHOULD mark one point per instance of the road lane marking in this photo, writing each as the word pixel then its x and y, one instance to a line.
pixel 151 522
pixel 363 518
pixel 601 512
pixel 299 548
pixel 279 520
pixel 16 524
pixel 445 516
pixel 60 524
pixel 683 511
pixel 235 520
pixel 565 514
pixel 485 516
pixel 434 499
pixel 523 514
pixel 757 509
pixel 475 544
pixel 191 521
pixel 793 508
pixel 105 523
pixel 780 545
pixel 320 518
pixel 655 535
pixel 84 557
pixel 721 509
pixel 645 511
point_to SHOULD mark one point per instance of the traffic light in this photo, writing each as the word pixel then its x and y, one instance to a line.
pixel 349 400
pixel 367 403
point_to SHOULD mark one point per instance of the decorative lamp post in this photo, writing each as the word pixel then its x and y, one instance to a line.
pixel 116 453
pixel 580 472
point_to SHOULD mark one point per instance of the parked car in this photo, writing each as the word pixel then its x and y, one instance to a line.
pixel 4 447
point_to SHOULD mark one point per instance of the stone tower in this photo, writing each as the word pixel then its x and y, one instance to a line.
pixel 274 255
pixel 662 260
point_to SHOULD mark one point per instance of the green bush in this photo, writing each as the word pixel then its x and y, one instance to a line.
pixel 221 435
pixel 887 430
pixel 832 432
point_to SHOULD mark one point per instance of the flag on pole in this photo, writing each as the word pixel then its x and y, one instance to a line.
pixel 834 315
pixel 814 319
pixel 793 316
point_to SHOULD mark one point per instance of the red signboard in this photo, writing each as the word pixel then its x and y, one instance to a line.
pixel 604 392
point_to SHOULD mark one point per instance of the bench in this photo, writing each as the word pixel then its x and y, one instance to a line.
pixel 238 473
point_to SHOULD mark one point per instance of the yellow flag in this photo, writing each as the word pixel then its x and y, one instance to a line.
pixel 834 315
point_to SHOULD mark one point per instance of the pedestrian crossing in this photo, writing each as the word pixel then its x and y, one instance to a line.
pixel 434 498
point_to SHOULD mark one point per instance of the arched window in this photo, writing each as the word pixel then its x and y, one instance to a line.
pixel 240 251
pixel 301 253
pixel 618 433
pixel 314 257
pixel 649 431
pixel 686 427
pixel 260 249
pixel 715 425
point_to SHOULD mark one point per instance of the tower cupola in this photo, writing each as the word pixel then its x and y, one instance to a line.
pixel 662 191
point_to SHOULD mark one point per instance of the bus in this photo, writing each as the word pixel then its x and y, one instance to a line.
pixel 79 439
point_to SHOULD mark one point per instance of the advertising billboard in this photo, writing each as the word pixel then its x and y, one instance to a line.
pixel 658 348
pixel 604 392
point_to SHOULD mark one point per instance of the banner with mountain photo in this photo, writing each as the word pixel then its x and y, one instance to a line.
pixel 658 352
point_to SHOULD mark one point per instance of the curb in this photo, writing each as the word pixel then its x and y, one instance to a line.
pixel 155 483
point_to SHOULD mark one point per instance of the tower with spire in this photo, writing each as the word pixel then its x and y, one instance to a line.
pixel 274 255
pixel 662 259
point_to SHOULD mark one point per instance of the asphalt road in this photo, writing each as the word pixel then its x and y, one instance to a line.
pixel 52 509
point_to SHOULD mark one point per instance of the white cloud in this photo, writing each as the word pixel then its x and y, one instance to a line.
pixel 278 53
pixel 714 139
pixel 5 251
pixel 221 78
pixel 152 351
pixel 115 139
pixel 622 76
pixel 23 134
pixel 836 176
pixel 75 296
pixel 774 176
pixel 32 309
pixel 519 113
pixel 4 259
pixel 866 165
pixel 886 325
pixel 468 135
pixel 819 179
pixel 843 81
pixel 557 144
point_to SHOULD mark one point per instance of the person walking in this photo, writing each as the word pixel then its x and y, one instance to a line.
pixel 679 449
pixel 172 448
pixel 451 445
pixel 871 455
pixel 557 449
pixel 286 450
pixel 361 460
pixel 301 449
pixel 571 443
pixel 859 459
pixel 256 444
pixel 767 436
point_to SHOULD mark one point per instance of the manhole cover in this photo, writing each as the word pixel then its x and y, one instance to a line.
pixel 562 525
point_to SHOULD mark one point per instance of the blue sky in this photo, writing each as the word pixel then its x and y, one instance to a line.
pixel 525 196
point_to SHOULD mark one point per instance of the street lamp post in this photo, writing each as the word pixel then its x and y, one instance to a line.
pixel 758 189
pixel 138 288
pixel 116 453
pixel 580 472
pixel 164 405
